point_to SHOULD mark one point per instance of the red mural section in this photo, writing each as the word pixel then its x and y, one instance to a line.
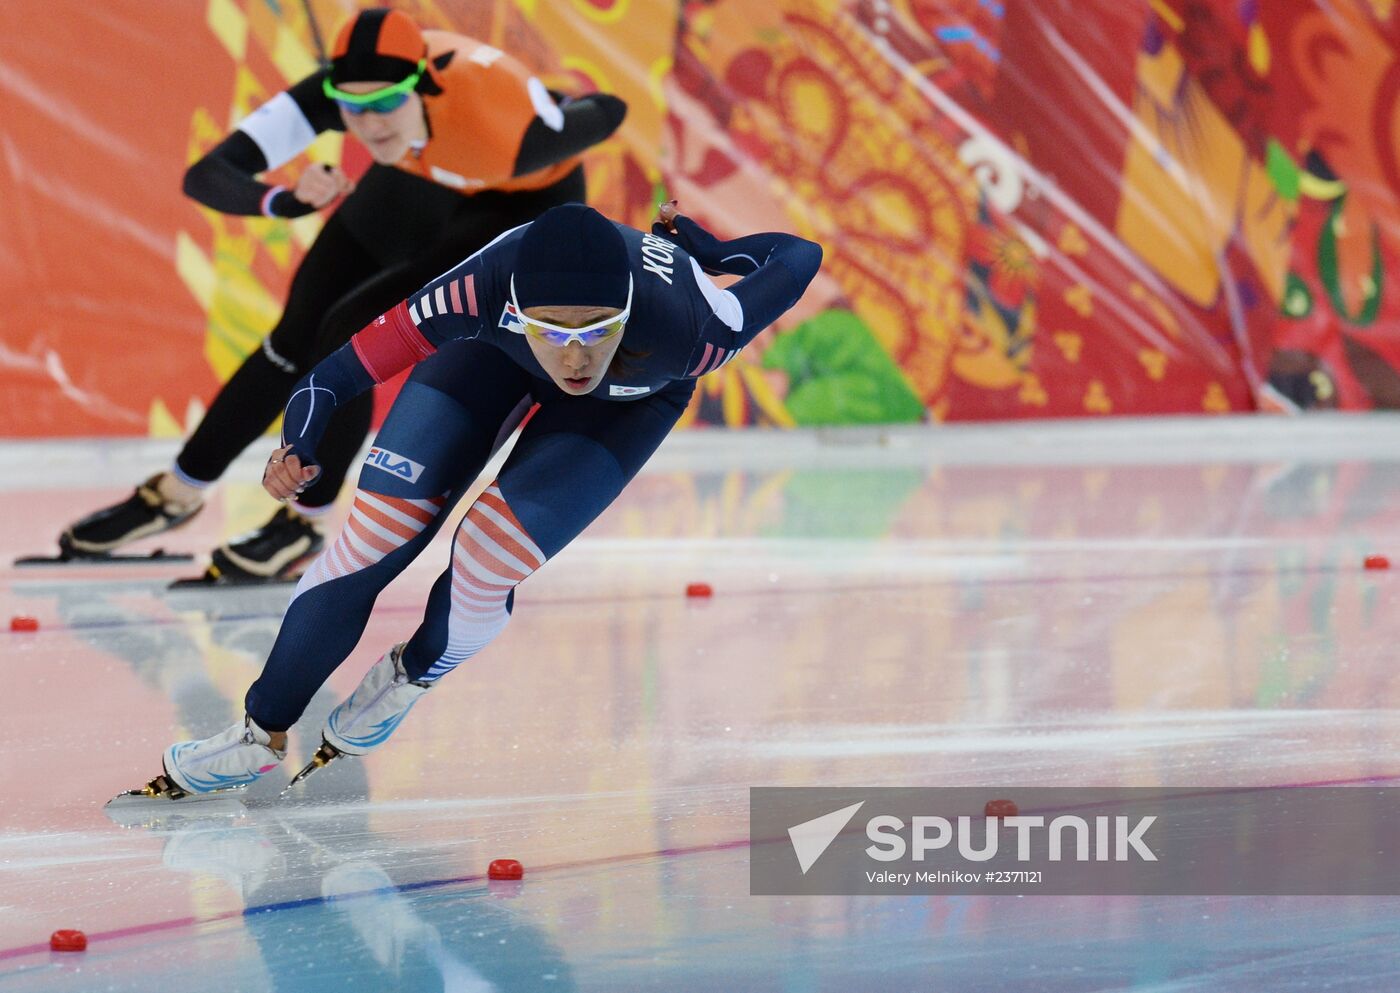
pixel 1030 208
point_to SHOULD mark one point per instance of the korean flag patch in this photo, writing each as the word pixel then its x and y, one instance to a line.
pixel 510 319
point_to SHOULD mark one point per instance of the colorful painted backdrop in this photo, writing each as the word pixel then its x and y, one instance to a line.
pixel 1030 208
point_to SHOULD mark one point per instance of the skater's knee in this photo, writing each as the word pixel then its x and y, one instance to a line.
pixel 493 551
pixel 338 325
pixel 379 525
pixel 288 351
pixel 491 555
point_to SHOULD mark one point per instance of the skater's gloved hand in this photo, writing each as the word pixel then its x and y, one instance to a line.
pixel 320 184
pixel 285 476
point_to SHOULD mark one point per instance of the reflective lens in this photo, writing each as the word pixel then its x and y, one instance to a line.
pixel 385 100
pixel 384 105
pixel 559 336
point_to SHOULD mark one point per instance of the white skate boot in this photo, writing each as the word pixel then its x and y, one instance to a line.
pixel 208 769
pixel 226 761
pixel 366 720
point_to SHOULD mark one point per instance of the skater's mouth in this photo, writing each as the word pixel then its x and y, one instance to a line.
pixel 578 384
pixel 384 144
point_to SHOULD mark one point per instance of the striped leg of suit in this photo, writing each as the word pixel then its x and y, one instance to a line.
pixel 378 525
pixel 491 554
pixel 333 600
pixel 572 460
pixel 455 410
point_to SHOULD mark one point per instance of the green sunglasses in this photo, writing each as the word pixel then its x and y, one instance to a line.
pixel 381 101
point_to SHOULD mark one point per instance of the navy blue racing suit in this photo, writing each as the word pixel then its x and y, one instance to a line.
pixel 475 377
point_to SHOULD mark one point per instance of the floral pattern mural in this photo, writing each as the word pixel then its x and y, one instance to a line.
pixel 1030 208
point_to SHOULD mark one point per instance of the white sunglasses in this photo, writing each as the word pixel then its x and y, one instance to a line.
pixel 554 334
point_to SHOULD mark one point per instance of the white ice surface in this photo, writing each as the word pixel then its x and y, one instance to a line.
pixel 1148 603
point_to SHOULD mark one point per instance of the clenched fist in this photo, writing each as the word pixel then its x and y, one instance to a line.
pixel 666 215
pixel 285 476
pixel 321 184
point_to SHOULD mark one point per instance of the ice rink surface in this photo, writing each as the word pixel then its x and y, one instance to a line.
pixel 1117 603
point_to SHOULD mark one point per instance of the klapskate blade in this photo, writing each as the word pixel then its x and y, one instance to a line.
pixel 133 797
pixel 301 777
pixel 324 756
pixel 205 583
pixel 137 809
pixel 158 557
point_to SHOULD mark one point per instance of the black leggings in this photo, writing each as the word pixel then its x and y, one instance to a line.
pixel 395 233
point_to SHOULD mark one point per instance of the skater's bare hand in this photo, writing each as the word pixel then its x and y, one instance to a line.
pixel 320 184
pixel 666 215
pixel 285 476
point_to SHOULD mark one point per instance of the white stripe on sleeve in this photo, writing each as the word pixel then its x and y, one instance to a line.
pixel 544 104
pixel 280 130
pixel 725 304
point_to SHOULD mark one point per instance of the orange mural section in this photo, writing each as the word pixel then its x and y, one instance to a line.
pixel 1030 208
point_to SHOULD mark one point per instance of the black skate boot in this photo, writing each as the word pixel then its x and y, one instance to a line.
pixel 274 553
pixel 141 515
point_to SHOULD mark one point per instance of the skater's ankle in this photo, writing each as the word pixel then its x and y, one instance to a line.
pixel 279 740
pixel 174 490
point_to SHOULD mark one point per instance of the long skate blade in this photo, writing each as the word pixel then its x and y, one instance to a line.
pixel 132 799
pixel 324 756
pixel 214 581
pixel 164 790
pixel 158 557
pixel 228 799
pixel 138 809
pixel 300 777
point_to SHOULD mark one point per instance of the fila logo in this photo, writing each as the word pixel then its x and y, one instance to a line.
pixel 628 391
pixel 510 319
pixel 382 458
